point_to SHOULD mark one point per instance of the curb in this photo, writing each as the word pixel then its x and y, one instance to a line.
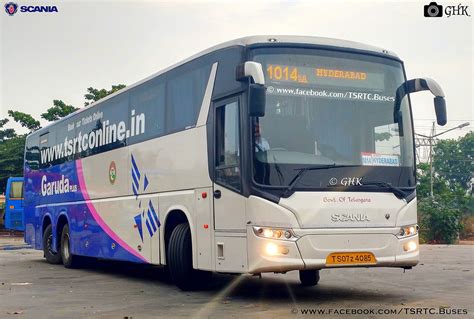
pixel 14 247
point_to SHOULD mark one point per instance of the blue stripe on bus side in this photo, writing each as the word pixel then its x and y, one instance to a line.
pixel 135 167
pixel 151 221
pixel 134 190
pixel 154 214
pixel 149 228
pixel 135 180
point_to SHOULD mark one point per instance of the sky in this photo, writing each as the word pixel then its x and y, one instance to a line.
pixel 46 56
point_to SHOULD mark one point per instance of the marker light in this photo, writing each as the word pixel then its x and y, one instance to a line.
pixel 410 246
pixel 408 231
pixel 274 233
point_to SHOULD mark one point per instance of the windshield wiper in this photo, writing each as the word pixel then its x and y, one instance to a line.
pixel 303 170
pixel 395 190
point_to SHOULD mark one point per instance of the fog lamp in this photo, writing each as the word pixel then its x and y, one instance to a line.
pixel 271 249
pixel 410 246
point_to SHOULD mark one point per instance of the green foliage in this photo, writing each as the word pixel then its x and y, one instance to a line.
pixel 59 110
pixel 441 217
pixel 11 159
pixel 440 221
pixel 6 133
pixel 94 95
pixel 25 120
pixel 453 160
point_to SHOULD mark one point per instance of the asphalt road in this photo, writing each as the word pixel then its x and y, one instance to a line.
pixel 443 283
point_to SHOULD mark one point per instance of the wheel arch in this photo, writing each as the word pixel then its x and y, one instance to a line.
pixel 174 216
pixel 60 223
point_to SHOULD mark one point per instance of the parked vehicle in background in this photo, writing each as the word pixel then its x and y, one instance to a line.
pixel 2 211
pixel 14 204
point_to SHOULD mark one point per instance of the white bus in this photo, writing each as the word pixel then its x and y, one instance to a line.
pixel 262 154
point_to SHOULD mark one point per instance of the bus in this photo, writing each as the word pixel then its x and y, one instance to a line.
pixel 262 154
pixel 14 204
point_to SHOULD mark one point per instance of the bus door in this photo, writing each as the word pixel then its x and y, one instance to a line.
pixel 14 204
pixel 229 204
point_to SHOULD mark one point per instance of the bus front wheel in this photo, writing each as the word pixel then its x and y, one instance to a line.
pixel 69 260
pixel 51 256
pixel 180 260
pixel 309 277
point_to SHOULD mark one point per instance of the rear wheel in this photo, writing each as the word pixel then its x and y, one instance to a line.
pixel 180 260
pixel 309 277
pixel 69 260
pixel 51 256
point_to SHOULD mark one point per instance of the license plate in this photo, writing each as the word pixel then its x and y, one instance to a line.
pixel 350 259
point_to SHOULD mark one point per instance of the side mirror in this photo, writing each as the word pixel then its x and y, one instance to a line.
pixel 440 109
pixel 250 69
pixel 257 96
pixel 422 84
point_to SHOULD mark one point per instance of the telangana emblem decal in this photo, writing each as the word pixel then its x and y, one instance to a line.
pixel 112 172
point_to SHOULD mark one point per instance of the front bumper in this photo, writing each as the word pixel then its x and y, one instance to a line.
pixel 313 246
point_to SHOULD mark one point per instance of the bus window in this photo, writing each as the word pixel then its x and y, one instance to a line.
pixel 16 190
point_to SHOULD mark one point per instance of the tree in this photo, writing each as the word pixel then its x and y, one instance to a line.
pixel 441 217
pixel 94 95
pixel 11 159
pixel 453 160
pixel 59 110
pixel 25 120
pixel 6 133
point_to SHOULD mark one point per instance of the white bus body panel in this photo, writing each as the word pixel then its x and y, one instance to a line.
pixel 318 235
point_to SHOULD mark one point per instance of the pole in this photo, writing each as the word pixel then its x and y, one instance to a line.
pixel 431 160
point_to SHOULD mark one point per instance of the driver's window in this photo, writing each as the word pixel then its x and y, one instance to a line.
pixel 228 145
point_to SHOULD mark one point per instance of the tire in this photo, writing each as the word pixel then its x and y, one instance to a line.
pixel 51 256
pixel 180 261
pixel 309 277
pixel 69 260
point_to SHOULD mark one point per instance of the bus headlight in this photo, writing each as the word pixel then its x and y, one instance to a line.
pixel 274 233
pixel 407 231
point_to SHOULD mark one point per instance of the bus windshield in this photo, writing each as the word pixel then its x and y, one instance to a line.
pixel 331 108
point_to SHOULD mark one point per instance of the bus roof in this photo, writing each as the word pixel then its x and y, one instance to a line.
pixel 248 41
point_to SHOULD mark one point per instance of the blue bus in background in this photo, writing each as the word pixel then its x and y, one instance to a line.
pixel 14 219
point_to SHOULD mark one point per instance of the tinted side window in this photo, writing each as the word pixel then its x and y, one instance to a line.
pixel 105 128
pixel 228 145
pixel 32 156
pixel 46 142
pixel 16 190
pixel 148 99
pixel 185 93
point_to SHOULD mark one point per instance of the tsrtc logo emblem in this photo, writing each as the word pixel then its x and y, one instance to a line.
pixel 112 172
pixel 11 8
